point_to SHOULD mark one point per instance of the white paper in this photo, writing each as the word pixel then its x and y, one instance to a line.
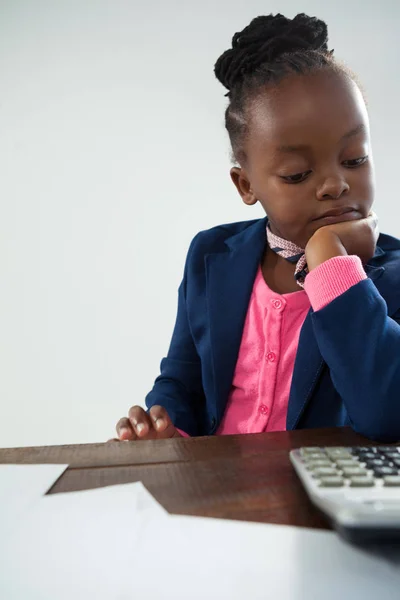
pixel 204 558
pixel 74 545
pixel 118 543
pixel 20 485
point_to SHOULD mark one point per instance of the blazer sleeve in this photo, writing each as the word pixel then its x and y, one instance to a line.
pixel 179 387
pixel 361 345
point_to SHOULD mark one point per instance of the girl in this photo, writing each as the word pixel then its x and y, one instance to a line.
pixel 292 320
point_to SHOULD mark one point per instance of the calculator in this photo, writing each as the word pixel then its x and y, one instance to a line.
pixel 357 488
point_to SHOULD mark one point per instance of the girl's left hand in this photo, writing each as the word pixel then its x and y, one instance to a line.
pixel 349 237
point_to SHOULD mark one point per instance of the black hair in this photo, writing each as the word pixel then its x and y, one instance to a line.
pixel 269 49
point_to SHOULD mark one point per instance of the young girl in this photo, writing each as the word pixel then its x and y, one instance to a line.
pixel 293 320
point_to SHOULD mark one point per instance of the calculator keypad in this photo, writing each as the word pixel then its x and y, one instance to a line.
pixel 354 467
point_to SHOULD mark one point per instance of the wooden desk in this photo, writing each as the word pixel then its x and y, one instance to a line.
pixel 245 477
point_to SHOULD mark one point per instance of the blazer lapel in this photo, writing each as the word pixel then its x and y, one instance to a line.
pixel 230 278
pixel 307 369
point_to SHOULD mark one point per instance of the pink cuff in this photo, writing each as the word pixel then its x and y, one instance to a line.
pixel 183 434
pixel 332 278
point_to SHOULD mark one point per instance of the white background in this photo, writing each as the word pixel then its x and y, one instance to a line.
pixel 113 154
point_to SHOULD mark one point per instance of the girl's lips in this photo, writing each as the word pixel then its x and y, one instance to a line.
pixel 351 215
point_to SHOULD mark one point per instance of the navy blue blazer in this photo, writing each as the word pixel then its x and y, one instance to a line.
pixel 347 367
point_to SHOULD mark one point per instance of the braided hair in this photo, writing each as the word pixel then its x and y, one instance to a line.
pixel 269 49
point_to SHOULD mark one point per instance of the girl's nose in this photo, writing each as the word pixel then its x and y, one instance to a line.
pixel 333 188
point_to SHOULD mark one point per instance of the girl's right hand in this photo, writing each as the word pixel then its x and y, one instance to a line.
pixel 140 425
pixel 358 237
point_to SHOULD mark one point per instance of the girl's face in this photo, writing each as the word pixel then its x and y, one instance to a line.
pixel 308 152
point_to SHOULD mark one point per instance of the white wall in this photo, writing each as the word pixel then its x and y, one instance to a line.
pixel 113 155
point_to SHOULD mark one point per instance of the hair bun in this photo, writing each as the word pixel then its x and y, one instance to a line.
pixel 264 40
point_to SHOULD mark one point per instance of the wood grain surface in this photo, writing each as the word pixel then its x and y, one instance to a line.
pixel 245 477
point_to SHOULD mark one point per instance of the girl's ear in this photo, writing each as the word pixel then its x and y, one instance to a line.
pixel 243 185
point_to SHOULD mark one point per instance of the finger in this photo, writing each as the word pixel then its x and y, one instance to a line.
pixel 373 216
pixel 141 423
pixel 374 224
pixel 162 422
pixel 124 430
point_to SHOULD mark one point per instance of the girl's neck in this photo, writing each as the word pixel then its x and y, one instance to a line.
pixel 278 273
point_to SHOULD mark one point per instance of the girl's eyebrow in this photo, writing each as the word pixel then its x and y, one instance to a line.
pixel 301 147
pixel 291 149
pixel 359 129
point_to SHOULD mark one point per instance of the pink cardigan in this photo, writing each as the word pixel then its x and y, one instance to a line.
pixel 259 395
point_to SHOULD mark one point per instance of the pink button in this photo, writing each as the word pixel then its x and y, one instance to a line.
pixel 276 303
pixel 263 409
pixel 271 356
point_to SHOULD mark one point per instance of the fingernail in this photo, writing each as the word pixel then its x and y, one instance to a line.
pixel 123 433
pixel 160 423
pixel 139 427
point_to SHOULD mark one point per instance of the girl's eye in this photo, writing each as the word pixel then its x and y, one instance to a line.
pixel 355 162
pixel 297 178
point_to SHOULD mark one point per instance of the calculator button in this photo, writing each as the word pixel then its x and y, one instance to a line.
pixel 391 480
pixel 396 461
pixel 315 456
pixel 338 453
pixel 361 449
pixel 367 456
pixel 315 464
pixel 392 455
pixel 352 471
pixel 386 448
pixel 378 462
pixel 332 481
pixel 381 471
pixel 362 481
pixel 310 450
pixel 347 463
pixel 324 471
